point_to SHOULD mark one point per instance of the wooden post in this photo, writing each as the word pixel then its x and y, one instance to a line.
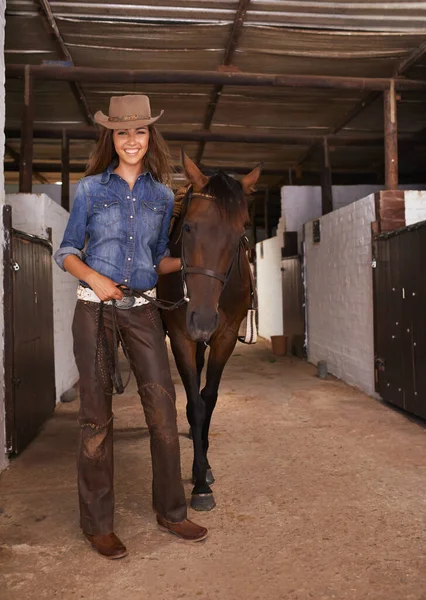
pixel 266 214
pixel 326 184
pixel 253 221
pixel 391 139
pixel 26 153
pixel 65 192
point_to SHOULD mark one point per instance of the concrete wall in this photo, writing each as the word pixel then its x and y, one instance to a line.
pixel 415 206
pixel 268 265
pixel 340 294
pixel 33 213
pixel 50 189
pixel 3 458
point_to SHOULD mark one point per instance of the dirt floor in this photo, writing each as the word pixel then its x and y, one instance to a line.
pixel 320 494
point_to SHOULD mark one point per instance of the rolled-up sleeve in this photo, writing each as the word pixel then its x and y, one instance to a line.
pixel 161 249
pixel 75 232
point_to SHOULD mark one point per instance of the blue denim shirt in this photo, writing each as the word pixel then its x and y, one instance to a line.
pixel 124 233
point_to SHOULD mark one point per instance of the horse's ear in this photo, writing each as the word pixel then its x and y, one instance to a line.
pixel 193 173
pixel 249 181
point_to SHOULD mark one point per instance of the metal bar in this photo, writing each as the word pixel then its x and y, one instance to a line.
pixel 326 183
pixel 65 191
pixel 17 158
pixel 91 133
pixel 26 154
pixel 234 37
pixel 49 22
pixel 8 328
pixel 98 75
pixel 391 139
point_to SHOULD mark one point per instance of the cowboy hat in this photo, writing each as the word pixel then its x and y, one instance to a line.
pixel 126 112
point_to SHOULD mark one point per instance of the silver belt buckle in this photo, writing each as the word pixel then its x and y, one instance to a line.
pixel 125 303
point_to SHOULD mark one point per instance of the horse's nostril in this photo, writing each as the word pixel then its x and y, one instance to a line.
pixel 202 324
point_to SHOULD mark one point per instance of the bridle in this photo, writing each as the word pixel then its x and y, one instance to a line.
pixel 188 270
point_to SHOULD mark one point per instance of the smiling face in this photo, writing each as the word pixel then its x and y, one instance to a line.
pixel 131 145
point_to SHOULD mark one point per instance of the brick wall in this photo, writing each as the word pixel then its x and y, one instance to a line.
pixel 33 213
pixel 340 294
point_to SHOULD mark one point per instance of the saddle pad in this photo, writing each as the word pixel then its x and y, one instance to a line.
pixel 247 333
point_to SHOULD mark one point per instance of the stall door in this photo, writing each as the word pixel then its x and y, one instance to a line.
pixel 31 397
pixel 400 318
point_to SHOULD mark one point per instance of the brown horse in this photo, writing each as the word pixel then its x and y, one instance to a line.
pixel 209 237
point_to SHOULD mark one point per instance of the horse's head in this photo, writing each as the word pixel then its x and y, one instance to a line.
pixel 214 224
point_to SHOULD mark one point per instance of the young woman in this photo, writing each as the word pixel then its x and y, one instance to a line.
pixel 115 243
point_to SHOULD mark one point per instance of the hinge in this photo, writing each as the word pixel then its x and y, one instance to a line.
pixel 380 363
pixel 374 263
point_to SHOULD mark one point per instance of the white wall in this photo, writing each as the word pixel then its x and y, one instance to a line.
pixel 339 287
pixel 3 457
pixel 50 189
pixel 33 213
pixel 269 287
pixel 415 207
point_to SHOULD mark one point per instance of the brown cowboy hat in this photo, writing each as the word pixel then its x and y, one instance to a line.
pixel 126 112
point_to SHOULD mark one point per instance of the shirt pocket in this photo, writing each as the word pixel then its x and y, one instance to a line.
pixel 152 214
pixel 106 212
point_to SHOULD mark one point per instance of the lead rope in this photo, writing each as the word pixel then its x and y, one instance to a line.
pixel 113 361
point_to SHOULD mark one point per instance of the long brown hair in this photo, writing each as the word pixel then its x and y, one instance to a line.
pixel 157 159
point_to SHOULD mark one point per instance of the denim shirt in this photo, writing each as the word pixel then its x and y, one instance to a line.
pixel 124 233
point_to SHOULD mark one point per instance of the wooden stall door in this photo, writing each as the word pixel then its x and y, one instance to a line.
pixel 32 398
pixel 400 319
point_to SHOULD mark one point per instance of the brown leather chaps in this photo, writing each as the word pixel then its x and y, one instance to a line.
pixel 142 332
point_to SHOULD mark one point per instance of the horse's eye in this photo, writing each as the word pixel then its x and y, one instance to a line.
pixel 186 228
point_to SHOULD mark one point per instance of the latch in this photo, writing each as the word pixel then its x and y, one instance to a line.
pixel 380 364
pixel 15 266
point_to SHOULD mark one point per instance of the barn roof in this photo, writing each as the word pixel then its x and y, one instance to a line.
pixel 319 37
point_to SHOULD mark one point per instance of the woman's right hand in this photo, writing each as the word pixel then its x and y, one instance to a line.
pixel 104 287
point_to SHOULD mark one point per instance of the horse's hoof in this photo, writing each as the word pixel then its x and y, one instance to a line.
pixel 202 502
pixel 209 477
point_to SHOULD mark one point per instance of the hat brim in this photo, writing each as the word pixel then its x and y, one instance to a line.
pixel 103 120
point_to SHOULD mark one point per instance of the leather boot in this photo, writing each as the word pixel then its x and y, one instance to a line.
pixel 186 530
pixel 107 545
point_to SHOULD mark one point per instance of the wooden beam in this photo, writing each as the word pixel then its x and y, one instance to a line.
pixel 326 183
pixel 65 190
pixel 234 37
pixel 391 139
pixel 99 75
pixel 266 214
pixel 92 133
pixel 17 158
pixel 26 154
pixel 402 67
pixel 49 22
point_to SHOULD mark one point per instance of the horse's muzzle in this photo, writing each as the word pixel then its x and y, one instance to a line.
pixel 201 323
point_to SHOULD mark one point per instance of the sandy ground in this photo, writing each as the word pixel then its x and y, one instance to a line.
pixel 320 494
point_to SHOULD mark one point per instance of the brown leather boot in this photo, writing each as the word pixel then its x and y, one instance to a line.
pixel 186 530
pixel 107 545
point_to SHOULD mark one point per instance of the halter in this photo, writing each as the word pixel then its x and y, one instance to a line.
pixel 187 270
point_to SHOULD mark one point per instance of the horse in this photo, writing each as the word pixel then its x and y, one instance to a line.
pixel 216 280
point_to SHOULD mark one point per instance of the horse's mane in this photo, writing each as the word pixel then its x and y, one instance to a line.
pixel 229 197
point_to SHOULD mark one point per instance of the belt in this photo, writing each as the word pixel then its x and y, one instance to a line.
pixel 85 293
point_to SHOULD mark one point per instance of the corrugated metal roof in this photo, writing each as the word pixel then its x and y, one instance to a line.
pixel 318 37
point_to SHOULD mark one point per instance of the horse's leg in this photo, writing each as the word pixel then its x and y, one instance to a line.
pixel 221 349
pixel 184 351
pixel 199 357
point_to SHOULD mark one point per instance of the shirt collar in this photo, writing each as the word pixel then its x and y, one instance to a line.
pixel 106 175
